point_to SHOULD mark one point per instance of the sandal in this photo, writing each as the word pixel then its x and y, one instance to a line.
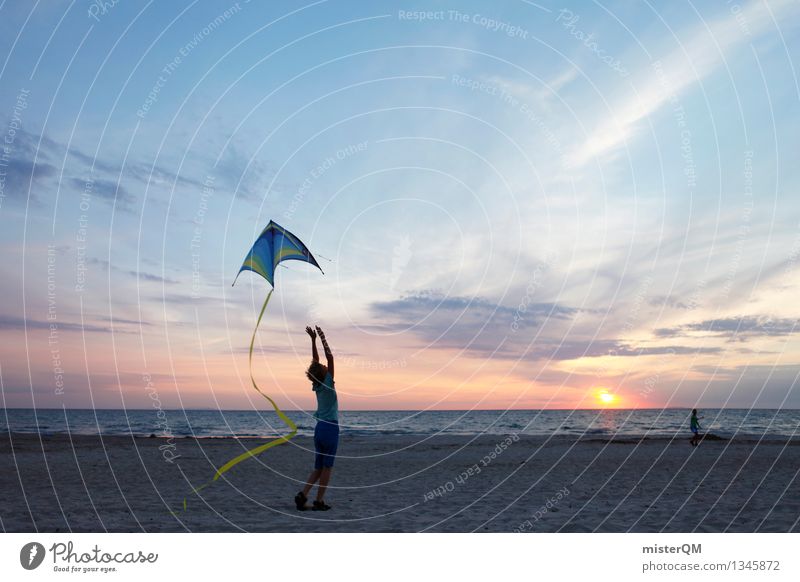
pixel 320 506
pixel 300 501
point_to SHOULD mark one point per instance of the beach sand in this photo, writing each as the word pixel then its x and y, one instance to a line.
pixel 393 483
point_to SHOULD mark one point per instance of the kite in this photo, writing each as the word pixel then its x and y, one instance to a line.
pixel 274 245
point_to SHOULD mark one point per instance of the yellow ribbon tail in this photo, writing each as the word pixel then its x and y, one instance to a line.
pixel 252 453
pixel 286 420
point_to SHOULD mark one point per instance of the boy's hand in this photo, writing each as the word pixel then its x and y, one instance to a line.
pixel 320 332
pixel 311 332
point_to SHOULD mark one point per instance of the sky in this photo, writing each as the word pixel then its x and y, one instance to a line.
pixel 516 204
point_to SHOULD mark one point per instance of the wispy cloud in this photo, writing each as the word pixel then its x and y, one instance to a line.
pixel 25 177
pixel 36 161
pixel 706 49
pixel 424 303
pixel 482 329
pixel 735 328
pixel 106 190
pixel 139 275
pixel 11 322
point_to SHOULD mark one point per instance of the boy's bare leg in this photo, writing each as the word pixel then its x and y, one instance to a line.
pixel 312 478
pixel 324 478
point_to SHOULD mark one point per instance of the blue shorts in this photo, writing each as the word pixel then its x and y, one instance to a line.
pixel 694 430
pixel 326 441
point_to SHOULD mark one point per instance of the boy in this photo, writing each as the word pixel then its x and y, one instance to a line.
pixel 326 433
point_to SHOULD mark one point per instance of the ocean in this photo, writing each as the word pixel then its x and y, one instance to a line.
pixel 658 423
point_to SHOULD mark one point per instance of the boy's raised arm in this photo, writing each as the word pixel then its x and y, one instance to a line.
pixel 327 349
pixel 313 335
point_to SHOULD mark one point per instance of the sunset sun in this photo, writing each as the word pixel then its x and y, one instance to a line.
pixel 605 397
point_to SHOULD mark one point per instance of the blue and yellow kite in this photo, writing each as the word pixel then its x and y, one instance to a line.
pixel 274 245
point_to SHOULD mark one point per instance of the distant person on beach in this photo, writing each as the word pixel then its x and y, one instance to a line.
pixel 326 433
pixel 694 424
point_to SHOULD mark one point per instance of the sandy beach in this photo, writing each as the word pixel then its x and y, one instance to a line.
pixel 403 484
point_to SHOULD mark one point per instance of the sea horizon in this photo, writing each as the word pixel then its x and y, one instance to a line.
pixel 724 423
pixel 411 409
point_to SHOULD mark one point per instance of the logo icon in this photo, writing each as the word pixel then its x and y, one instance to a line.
pixel 31 555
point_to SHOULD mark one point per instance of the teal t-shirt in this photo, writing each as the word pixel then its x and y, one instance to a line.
pixel 327 403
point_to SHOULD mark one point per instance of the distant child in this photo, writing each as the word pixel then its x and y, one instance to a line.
pixel 694 424
pixel 326 433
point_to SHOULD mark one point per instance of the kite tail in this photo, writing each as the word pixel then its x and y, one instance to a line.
pixel 273 443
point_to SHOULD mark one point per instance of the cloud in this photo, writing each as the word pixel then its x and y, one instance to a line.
pixel 695 59
pixel 10 322
pixel 249 177
pixel 422 303
pixel 45 158
pixel 159 176
pixel 734 328
pixel 119 320
pixel 140 275
pixel 483 328
pixel 24 176
pixel 472 324
pixel 270 349
pixel 189 299
pixel 669 301
pixel 112 192
pixel 552 349
pixel 524 89
pixel 759 386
